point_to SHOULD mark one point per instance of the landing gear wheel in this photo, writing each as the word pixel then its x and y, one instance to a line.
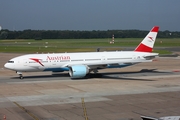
pixel 21 77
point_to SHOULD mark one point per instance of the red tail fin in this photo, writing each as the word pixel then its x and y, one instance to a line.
pixel 147 43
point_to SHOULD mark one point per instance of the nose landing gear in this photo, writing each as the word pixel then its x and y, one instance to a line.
pixel 20 75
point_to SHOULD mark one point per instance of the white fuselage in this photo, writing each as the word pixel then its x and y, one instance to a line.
pixel 61 61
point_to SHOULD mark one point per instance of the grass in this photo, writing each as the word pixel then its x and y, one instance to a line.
pixel 162 52
pixel 79 45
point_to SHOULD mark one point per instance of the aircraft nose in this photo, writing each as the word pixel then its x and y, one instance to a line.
pixel 8 66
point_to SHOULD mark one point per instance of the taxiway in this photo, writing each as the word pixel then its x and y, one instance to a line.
pixel 151 89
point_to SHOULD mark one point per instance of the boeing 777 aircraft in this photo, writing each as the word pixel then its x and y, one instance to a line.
pixel 81 64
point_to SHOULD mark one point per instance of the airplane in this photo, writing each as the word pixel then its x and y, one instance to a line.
pixel 81 64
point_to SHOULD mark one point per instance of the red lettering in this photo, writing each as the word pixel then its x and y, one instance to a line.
pixel 58 58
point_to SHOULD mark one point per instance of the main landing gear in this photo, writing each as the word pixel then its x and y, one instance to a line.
pixel 20 75
pixel 95 74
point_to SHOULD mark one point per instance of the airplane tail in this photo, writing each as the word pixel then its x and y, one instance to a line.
pixel 147 43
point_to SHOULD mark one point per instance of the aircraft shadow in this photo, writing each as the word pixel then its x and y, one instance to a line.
pixel 119 75
pixel 116 75
pixel 44 76
pixel 141 71
pixel 126 78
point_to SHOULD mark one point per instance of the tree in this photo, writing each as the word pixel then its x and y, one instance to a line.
pixel 3 35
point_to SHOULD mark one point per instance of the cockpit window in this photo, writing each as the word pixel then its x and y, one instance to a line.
pixel 10 61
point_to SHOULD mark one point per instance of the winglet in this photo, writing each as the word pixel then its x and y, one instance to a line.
pixel 147 43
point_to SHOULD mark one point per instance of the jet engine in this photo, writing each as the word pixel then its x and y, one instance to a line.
pixel 78 71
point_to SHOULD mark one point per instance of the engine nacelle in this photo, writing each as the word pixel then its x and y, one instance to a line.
pixel 78 71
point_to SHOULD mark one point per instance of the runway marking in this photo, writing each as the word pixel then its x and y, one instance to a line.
pixel 76 89
pixel 84 109
pixel 27 111
pixel 56 99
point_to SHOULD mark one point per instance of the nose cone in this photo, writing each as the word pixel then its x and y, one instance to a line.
pixel 8 66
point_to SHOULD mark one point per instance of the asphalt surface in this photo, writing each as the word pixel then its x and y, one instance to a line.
pixel 151 89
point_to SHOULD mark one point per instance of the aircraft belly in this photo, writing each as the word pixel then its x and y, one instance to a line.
pixel 57 69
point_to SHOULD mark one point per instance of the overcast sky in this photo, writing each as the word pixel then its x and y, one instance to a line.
pixel 89 14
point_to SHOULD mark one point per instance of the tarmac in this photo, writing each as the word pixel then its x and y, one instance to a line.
pixel 150 89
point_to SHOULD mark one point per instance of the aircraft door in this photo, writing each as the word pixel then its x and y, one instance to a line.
pixel 25 62
pixel 135 57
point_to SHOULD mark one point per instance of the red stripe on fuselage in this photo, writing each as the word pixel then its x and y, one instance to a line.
pixel 37 60
pixel 143 48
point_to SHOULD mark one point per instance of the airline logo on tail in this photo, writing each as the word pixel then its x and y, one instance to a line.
pixel 148 42
pixel 151 38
